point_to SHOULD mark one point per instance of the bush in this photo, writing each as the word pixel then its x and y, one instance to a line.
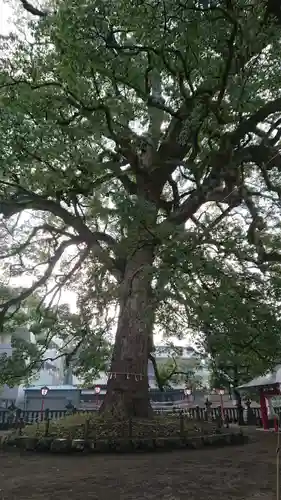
pixel 105 434
pixel 98 427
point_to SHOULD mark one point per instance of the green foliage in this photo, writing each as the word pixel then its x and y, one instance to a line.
pixel 145 126
pixel 34 330
pixel 177 371
pixel 241 324
pixel 108 427
pixel 184 376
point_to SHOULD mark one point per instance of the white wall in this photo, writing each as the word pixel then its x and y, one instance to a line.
pixel 52 374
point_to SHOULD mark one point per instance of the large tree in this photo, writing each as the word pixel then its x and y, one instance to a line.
pixel 131 134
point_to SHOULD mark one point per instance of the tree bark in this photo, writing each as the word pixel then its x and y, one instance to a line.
pixel 127 388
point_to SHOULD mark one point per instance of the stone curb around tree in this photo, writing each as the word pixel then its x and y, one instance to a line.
pixel 121 445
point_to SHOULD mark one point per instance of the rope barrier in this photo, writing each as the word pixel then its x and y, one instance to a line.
pixel 128 375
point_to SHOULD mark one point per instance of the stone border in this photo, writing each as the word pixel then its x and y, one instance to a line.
pixel 121 445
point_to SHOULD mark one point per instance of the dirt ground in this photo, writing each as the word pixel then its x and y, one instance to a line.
pixel 244 472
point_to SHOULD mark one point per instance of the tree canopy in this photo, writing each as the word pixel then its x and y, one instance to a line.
pixel 241 325
pixel 139 151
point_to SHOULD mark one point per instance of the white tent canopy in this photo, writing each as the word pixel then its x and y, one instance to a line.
pixel 270 378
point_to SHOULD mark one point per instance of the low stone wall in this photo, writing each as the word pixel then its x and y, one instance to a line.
pixel 122 445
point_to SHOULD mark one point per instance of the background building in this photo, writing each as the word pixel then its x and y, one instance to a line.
pixel 187 360
pixel 51 373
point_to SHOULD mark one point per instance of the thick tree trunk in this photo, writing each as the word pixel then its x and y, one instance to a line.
pixel 127 388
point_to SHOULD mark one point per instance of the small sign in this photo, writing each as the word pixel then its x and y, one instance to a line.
pixel 220 391
pixel 44 391
pixel 97 390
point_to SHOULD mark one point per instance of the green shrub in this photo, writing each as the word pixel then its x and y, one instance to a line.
pixel 95 427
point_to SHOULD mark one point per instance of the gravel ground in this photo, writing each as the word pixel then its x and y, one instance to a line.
pixel 245 472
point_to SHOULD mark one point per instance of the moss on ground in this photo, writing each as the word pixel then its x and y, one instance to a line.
pixel 94 426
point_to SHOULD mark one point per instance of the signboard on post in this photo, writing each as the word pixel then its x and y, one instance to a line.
pixel 44 392
pixel 187 394
pixel 97 392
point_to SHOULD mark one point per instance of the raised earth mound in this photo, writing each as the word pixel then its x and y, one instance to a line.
pixel 100 433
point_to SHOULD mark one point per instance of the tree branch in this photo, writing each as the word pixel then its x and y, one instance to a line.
pixel 171 146
pixel 32 10
pixel 159 381
pixel 206 193
pixel 26 293
pixel 263 155
pixel 256 226
pixel 56 288
pixel 27 200
pixel 249 125
pixel 228 64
